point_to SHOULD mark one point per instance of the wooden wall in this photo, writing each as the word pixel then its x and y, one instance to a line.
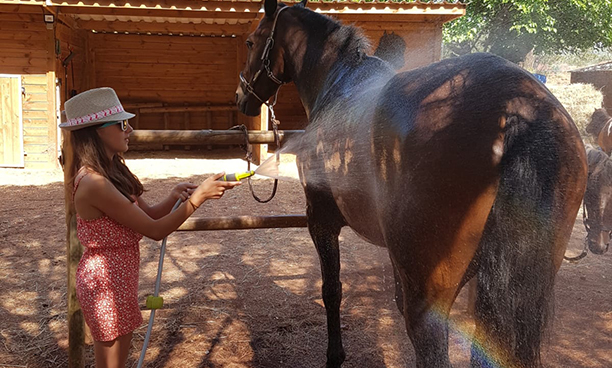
pixel 74 77
pixel 150 70
pixel 28 50
pixel 601 79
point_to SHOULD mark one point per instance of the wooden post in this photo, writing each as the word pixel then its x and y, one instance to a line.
pixel 76 323
pixel 209 124
pixel 260 151
pixel 166 126
pixel 186 118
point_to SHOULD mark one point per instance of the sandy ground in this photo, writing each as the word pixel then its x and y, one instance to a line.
pixel 249 298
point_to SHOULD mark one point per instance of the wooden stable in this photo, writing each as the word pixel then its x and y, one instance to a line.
pixel 600 76
pixel 175 64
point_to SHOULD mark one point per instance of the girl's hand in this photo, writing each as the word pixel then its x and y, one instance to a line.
pixel 183 191
pixel 212 189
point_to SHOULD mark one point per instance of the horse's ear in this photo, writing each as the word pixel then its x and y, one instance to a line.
pixel 303 3
pixel 270 7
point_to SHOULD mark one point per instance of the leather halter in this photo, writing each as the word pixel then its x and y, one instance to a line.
pixel 265 63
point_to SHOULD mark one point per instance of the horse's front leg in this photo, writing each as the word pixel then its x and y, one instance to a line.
pixel 324 225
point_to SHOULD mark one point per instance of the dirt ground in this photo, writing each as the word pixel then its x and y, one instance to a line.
pixel 249 299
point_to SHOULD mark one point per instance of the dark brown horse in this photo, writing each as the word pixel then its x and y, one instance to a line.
pixel 467 167
pixel 598 201
pixel 600 127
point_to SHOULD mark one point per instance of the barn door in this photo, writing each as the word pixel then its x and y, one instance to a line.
pixel 11 125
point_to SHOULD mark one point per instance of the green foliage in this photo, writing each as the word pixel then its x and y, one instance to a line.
pixel 511 28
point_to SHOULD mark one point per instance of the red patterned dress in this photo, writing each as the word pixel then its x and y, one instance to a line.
pixel 107 276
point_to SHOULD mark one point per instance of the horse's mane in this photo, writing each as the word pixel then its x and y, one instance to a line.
pixel 352 43
pixel 599 118
pixel 599 163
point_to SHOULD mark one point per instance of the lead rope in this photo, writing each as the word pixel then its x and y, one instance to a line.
pixel 249 151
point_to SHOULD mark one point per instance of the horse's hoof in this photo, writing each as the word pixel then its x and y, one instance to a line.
pixel 335 362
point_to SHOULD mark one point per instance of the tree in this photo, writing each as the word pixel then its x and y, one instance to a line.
pixel 512 28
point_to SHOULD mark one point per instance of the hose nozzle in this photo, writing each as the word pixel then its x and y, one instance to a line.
pixel 236 176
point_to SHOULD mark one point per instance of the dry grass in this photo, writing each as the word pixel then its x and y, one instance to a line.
pixel 580 100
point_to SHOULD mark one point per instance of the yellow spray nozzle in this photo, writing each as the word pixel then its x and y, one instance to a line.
pixel 237 176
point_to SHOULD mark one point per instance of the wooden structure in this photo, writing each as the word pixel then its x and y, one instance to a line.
pixel 173 63
pixel 600 76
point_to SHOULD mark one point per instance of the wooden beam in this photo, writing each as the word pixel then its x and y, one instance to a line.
pixel 11 7
pixel 204 137
pixel 158 13
pixel 152 110
pixel 164 28
pixel 243 223
pixel 260 152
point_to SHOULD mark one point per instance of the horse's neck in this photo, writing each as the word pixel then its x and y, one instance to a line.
pixel 342 83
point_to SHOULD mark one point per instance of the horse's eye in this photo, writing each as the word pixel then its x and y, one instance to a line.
pixel 249 44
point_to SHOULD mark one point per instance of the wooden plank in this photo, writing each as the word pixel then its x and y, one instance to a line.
pixel 20 17
pixel 9 52
pixel 204 137
pixel 243 222
pixel 11 129
pixel 37 114
pixel 176 96
pixel 30 140
pixel 226 6
pixel 35 130
pixel 200 89
pixel 118 70
pixel 34 106
pixel 170 109
pixel 52 140
pixel 165 28
pixel 101 39
pixel 32 63
pixel 186 125
pixel 40 79
pixel 160 13
pixel 196 59
pixel 22 26
pixel 39 96
pixel 20 38
pixel 24 8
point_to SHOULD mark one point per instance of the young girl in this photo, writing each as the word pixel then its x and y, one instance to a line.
pixel 112 217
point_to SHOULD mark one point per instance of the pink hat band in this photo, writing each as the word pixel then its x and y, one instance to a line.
pixel 96 115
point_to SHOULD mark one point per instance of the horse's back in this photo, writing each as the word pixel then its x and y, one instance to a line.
pixel 444 132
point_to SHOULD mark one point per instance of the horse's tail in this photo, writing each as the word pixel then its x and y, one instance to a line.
pixel 516 267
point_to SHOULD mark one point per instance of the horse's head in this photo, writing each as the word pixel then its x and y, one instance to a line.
pixel 391 48
pixel 598 202
pixel 598 120
pixel 265 70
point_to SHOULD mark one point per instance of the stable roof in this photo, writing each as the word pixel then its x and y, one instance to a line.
pixel 605 66
pixel 223 17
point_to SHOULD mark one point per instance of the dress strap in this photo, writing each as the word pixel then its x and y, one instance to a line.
pixel 80 175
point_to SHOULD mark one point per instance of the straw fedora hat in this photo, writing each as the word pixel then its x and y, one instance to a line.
pixel 93 107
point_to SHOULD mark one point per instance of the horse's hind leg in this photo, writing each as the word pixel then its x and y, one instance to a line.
pixel 427 322
pixel 324 225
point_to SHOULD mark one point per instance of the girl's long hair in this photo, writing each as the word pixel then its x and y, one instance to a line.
pixel 89 152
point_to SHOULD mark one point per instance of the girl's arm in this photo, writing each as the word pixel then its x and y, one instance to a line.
pixel 96 192
pixel 182 191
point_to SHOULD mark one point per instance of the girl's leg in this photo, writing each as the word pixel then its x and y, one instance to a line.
pixel 113 354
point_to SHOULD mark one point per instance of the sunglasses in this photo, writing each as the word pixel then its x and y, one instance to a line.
pixel 124 124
